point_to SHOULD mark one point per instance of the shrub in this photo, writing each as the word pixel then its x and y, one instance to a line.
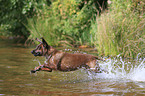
pixel 14 14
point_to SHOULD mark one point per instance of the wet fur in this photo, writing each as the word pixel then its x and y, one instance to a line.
pixel 62 61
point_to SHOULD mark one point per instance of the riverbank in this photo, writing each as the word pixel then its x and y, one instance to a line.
pixel 118 29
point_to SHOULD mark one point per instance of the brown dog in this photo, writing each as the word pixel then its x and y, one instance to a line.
pixel 62 61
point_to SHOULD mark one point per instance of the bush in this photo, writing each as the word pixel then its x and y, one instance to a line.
pixel 14 14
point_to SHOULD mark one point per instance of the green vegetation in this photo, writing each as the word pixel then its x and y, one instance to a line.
pixel 119 29
pixel 14 14
pixel 64 22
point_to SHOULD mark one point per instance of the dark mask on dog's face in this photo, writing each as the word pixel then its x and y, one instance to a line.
pixel 38 51
pixel 41 49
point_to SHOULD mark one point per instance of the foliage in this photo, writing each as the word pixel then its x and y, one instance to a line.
pixel 66 21
pixel 120 30
pixel 14 13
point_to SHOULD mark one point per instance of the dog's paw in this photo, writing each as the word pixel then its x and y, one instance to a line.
pixel 33 71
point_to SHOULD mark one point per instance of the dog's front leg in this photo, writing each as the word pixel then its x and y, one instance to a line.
pixel 43 67
pixel 36 69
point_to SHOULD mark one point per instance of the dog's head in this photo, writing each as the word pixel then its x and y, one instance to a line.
pixel 41 49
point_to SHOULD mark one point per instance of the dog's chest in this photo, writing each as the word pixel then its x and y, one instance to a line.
pixel 54 59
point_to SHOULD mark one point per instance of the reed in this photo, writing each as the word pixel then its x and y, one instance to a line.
pixel 120 31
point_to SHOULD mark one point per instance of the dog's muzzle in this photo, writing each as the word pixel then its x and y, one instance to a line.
pixel 36 53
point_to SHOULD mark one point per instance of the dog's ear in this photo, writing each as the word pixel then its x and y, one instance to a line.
pixel 45 43
pixel 38 40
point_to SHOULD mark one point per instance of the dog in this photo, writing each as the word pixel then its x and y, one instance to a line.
pixel 63 61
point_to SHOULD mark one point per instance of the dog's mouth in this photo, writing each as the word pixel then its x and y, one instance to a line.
pixel 36 53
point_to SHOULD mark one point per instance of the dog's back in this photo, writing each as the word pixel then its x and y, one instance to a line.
pixel 57 60
pixel 67 62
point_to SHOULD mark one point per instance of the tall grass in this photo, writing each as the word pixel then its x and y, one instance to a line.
pixel 63 22
pixel 42 25
pixel 120 31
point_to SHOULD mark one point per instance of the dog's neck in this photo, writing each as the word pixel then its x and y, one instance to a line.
pixel 50 52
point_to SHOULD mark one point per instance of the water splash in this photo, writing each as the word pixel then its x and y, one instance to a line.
pixel 137 74
pixel 122 69
pixel 118 68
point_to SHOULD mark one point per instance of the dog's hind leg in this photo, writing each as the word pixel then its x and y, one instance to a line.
pixel 93 66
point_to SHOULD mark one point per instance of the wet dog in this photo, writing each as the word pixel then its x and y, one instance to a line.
pixel 62 61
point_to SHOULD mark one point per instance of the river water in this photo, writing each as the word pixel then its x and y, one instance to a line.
pixel 126 78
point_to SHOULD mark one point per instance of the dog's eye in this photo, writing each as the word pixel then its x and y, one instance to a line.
pixel 39 47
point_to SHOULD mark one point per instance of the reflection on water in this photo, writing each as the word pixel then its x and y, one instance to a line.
pixel 124 78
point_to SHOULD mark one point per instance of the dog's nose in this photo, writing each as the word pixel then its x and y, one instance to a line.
pixel 32 51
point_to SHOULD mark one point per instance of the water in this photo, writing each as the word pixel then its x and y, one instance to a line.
pixel 125 77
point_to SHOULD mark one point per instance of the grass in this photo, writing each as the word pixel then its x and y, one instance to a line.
pixel 62 23
pixel 40 27
pixel 120 31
